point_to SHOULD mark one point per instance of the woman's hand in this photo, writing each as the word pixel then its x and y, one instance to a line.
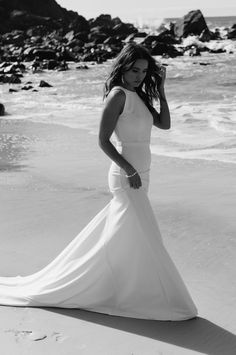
pixel 162 74
pixel 134 179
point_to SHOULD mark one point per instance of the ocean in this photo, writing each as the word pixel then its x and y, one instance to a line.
pixel 202 100
pixel 215 21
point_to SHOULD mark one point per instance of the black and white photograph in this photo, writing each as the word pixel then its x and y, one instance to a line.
pixel 117 177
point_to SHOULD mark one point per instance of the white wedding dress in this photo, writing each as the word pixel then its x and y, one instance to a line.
pixel 117 264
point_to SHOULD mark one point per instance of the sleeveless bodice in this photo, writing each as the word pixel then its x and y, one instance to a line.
pixel 135 122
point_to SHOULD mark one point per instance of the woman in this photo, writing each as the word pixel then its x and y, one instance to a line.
pixel 117 264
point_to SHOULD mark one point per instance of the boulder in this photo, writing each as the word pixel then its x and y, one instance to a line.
pixel 192 23
pixel 206 35
pixel 166 36
pixel 27 87
pixel 44 84
pixel 167 50
pixel 102 20
pixel 97 37
pixel 124 29
pixel 232 33
pixel 52 64
pixel 79 24
pixel 2 109
pixel 42 53
pixel 112 40
pixel 15 37
pixel 82 36
pixel 14 79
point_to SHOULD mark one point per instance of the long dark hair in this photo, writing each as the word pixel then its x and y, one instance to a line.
pixel 148 90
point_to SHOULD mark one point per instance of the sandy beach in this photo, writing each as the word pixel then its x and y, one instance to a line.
pixel 53 180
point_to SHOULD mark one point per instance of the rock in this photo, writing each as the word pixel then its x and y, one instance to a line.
pixel 44 84
pixel 168 50
pixel 206 36
pixel 192 23
pixel 2 110
pixel 167 36
pixel 36 12
pixel 15 37
pixel 52 64
pixel 79 24
pixel 3 79
pixel 116 21
pixel 43 53
pixel 82 36
pixel 232 33
pixel 14 79
pixel 204 63
pixel 124 29
pixel 112 40
pixel 102 20
pixel 13 90
pixel 65 55
pixel 27 87
pixel 217 50
pixel 97 37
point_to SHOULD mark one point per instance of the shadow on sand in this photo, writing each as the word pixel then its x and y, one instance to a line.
pixel 197 334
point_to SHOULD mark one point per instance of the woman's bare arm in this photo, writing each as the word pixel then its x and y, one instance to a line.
pixel 113 108
pixel 162 119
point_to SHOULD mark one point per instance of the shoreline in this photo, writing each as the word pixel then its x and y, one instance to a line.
pixel 56 182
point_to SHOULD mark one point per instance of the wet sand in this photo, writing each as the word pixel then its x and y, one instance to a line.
pixel 53 180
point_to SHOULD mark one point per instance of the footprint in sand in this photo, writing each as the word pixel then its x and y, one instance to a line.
pixel 35 335
pixel 27 334
pixel 58 337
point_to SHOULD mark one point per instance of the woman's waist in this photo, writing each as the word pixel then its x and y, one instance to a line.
pixel 132 143
pixel 143 171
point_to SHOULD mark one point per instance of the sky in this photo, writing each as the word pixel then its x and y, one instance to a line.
pixel 136 10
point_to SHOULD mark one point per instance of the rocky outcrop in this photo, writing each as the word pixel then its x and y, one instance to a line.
pixel 191 24
pixel 33 9
pixel 50 36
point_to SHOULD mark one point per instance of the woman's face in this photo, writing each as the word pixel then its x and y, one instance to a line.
pixel 134 76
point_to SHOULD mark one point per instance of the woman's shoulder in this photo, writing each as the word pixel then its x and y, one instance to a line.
pixel 116 93
pixel 116 97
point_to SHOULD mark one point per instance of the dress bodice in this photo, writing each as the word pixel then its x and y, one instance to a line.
pixel 135 122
